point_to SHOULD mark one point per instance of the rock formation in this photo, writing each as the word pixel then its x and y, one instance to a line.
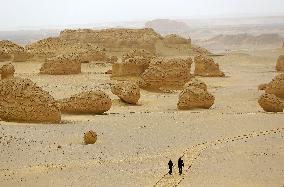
pixel 7 71
pixel 10 51
pixel 195 97
pixel 271 103
pixel 92 55
pixel 280 63
pixel 196 83
pixel 174 39
pixel 22 101
pixel 127 91
pixel 206 67
pixel 92 102
pixel 90 137
pixel 62 65
pixel 262 86
pixel 167 73
pixel 112 59
pixel 276 86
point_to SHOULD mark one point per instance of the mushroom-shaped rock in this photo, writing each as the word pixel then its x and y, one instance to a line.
pixel 167 73
pixel 271 103
pixel 90 137
pixel 206 67
pixel 22 101
pixel 7 71
pixel 276 86
pixel 194 97
pixel 280 63
pixel 196 83
pixel 62 65
pixel 92 102
pixel 127 91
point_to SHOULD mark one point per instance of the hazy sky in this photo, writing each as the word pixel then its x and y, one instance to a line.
pixel 38 13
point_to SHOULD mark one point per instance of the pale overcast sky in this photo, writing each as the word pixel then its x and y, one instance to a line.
pixel 38 13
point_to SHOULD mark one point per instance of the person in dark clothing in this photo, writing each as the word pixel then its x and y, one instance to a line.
pixel 180 165
pixel 170 167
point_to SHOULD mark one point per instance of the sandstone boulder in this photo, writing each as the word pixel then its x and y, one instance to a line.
pixel 92 102
pixel 7 71
pixel 167 73
pixel 193 97
pixel 276 86
pixel 271 103
pixel 196 83
pixel 62 65
pixel 22 101
pixel 206 67
pixel 90 137
pixel 127 91
pixel 280 63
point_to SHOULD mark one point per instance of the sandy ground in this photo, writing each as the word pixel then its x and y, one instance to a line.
pixel 234 143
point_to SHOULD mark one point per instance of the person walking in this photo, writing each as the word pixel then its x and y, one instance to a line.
pixel 180 165
pixel 170 167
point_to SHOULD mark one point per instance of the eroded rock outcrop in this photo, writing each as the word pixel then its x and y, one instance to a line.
pixel 280 63
pixel 21 100
pixel 7 71
pixel 62 65
pixel 127 91
pixel 196 83
pixel 271 103
pixel 10 51
pixel 206 67
pixel 174 39
pixel 167 73
pixel 276 86
pixel 92 102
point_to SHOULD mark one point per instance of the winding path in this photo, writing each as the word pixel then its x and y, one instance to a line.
pixel 191 154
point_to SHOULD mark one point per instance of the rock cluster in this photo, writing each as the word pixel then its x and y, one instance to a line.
pixel 92 102
pixel 167 73
pixel 62 65
pixel 10 51
pixel 276 86
pixel 271 103
pixel 22 101
pixel 90 137
pixel 174 39
pixel 206 67
pixel 7 71
pixel 195 95
pixel 127 91
pixel 280 63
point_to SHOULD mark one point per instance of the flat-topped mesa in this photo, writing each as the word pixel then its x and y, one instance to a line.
pixel 91 102
pixel 115 38
pixel 276 86
pixel 7 71
pixel 206 67
pixel 166 73
pixel 270 103
pixel 280 63
pixel 10 51
pixel 62 65
pixel 195 95
pixel 133 63
pixel 21 100
pixel 174 39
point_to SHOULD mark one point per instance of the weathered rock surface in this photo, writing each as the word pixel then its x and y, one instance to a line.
pixel 206 67
pixel 194 97
pixel 90 137
pixel 10 51
pixel 271 103
pixel 112 59
pixel 22 101
pixel 92 102
pixel 62 65
pixel 196 83
pixel 7 71
pixel 262 86
pixel 276 86
pixel 127 91
pixel 280 63
pixel 174 39
pixel 167 73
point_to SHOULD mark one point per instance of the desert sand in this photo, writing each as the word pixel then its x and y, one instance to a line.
pixel 234 143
